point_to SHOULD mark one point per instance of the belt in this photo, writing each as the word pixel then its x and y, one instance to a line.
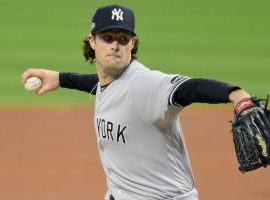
pixel 111 197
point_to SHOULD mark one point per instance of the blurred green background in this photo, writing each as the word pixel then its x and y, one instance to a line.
pixel 224 40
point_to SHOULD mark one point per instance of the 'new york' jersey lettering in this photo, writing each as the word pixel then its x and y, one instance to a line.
pixel 110 131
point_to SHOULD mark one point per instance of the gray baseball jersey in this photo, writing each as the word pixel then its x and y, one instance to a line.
pixel 140 140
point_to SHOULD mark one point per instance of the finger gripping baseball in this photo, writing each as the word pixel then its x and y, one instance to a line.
pixel 251 134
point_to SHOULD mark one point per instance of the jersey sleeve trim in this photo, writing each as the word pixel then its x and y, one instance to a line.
pixel 180 82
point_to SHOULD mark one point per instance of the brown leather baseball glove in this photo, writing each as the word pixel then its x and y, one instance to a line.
pixel 251 133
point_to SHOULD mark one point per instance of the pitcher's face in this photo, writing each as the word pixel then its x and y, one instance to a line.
pixel 112 48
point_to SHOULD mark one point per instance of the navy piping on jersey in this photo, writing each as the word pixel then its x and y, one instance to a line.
pixel 180 82
pixel 102 87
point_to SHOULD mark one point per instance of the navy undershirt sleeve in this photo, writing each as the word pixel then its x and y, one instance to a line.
pixel 82 82
pixel 202 91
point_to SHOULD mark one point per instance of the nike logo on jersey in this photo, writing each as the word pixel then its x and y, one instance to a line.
pixel 110 131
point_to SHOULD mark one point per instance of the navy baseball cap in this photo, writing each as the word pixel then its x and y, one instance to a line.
pixel 113 17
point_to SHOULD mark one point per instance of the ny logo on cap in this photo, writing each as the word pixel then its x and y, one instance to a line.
pixel 118 14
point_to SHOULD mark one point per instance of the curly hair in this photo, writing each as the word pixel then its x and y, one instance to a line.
pixel 89 53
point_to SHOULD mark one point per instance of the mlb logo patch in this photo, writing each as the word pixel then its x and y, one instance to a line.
pixel 176 79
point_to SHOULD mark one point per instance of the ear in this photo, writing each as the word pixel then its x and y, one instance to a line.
pixel 91 40
pixel 134 39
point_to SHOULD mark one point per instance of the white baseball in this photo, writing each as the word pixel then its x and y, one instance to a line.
pixel 33 84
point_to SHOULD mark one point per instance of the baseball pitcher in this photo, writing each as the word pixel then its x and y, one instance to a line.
pixel 139 134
